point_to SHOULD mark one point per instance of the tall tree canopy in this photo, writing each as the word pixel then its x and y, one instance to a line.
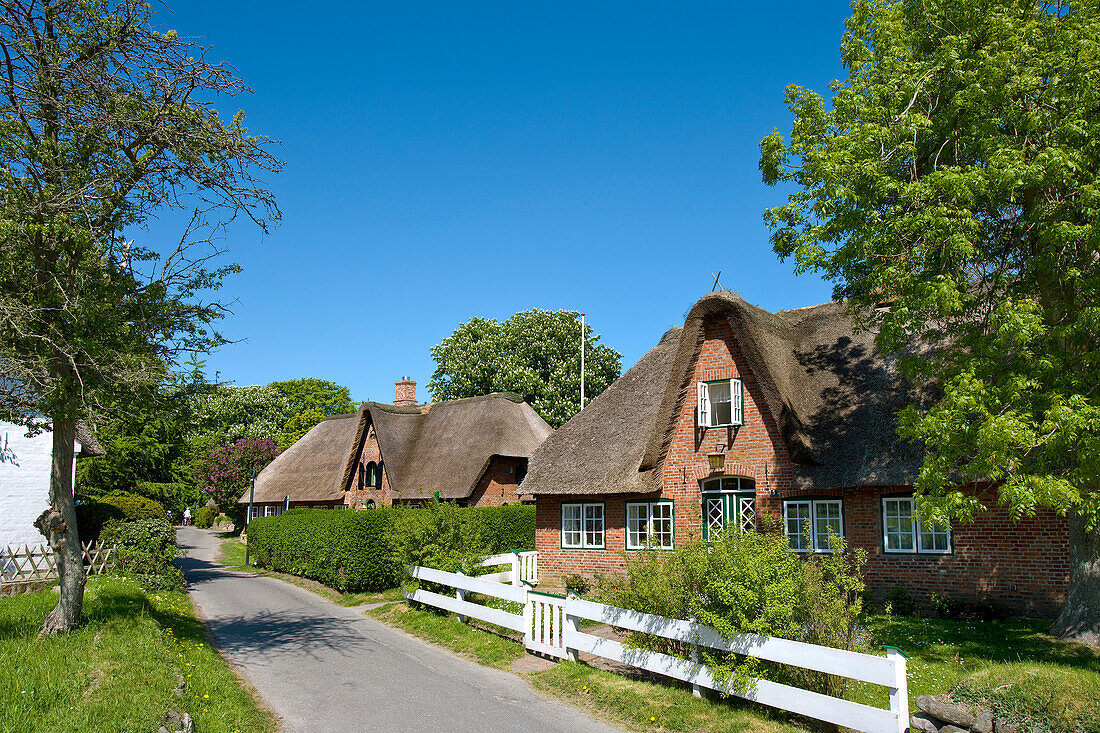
pixel 311 400
pixel 954 176
pixel 535 354
pixel 104 123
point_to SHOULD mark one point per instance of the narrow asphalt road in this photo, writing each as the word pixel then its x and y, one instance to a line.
pixel 322 667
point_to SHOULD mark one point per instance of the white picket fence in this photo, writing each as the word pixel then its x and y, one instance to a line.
pixel 36 562
pixel 523 567
pixel 550 625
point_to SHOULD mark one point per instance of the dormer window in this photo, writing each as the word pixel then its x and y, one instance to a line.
pixel 720 404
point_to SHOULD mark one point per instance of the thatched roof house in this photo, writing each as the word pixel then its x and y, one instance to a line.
pixel 462 450
pixel 743 413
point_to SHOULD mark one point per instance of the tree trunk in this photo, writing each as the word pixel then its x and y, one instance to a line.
pixel 58 523
pixel 1080 617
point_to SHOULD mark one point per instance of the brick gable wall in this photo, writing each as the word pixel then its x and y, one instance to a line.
pixel 1024 563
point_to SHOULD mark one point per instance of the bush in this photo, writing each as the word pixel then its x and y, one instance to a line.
pixel 968 609
pixel 145 549
pixel 346 550
pixel 747 582
pixel 900 602
pixel 577 583
pixel 440 535
pixel 204 517
pixel 93 514
pixel 505 528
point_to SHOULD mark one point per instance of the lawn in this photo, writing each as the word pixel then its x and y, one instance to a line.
pixel 136 656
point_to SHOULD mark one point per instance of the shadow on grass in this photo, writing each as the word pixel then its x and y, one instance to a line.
pixel 1015 640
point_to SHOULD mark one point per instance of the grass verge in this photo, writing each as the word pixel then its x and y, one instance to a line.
pixel 121 670
pixel 232 555
pixel 447 631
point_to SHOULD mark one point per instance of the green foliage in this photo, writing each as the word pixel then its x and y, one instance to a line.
pixel 954 176
pixel 577 583
pixel 144 549
pixel 367 550
pixel 92 515
pixel 311 401
pixel 747 582
pixel 899 601
pixel 535 354
pixel 968 609
pixel 204 517
pixel 226 413
pixel 345 550
pixel 1036 697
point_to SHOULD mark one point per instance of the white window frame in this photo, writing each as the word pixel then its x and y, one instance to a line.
pixel 269 510
pixel 917 529
pixel 813 505
pixel 650 529
pixel 588 514
pixel 705 413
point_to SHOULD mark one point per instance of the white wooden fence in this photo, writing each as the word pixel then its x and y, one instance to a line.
pixel 550 625
pixel 35 563
pixel 524 567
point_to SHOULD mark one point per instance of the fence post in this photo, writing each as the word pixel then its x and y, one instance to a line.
pixel 695 689
pixel 571 627
pixel 460 595
pixel 517 574
pixel 899 691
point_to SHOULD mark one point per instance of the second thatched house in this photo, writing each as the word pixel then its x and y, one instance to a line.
pixel 742 413
pixel 471 451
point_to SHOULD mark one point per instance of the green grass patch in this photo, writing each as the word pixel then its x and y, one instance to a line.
pixel 446 630
pixel 650 706
pixel 1014 665
pixel 120 670
pixel 232 552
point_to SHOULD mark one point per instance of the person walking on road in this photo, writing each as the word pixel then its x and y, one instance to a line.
pixel 187 517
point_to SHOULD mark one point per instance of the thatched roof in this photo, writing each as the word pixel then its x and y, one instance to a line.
pixel 311 469
pixel 832 395
pixel 444 447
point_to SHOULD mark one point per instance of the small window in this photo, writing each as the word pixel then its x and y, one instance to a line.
pixel 582 526
pixel 808 522
pixel 269 510
pixel 649 525
pixel 720 404
pixel 728 501
pixel 902 530
pixel 340 506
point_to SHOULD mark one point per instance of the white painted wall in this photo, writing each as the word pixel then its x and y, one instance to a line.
pixel 24 483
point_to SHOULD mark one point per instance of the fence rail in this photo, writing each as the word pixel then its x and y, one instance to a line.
pixel 550 625
pixel 36 562
pixel 524 567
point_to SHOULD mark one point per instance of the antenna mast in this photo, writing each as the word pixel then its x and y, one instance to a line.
pixel 582 361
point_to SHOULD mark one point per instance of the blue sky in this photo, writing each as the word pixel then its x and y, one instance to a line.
pixel 451 160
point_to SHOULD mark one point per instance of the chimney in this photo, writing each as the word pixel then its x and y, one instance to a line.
pixel 406 393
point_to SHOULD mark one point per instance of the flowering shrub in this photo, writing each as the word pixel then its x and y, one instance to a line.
pixel 225 471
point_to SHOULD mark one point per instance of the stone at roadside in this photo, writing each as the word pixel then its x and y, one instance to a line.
pixel 983 723
pixel 952 729
pixel 946 711
pixel 1003 726
pixel 924 722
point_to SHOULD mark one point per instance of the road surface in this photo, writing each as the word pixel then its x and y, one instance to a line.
pixel 321 667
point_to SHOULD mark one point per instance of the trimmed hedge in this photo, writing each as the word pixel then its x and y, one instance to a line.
pixel 347 550
pixel 145 549
pixel 204 517
pixel 365 550
pixel 93 514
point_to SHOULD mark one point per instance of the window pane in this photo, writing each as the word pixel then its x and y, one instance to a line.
pixel 662 525
pixel 712 514
pixel 797 526
pixel 826 517
pixel 593 525
pixel 720 409
pixel 934 537
pixel 637 522
pixel 746 513
pixel 899 524
pixel 571 525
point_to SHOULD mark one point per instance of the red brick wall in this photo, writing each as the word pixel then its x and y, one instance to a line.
pixel 498 484
pixel 357 498
pixel 991 556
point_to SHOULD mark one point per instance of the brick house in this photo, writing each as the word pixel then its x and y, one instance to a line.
pixel 743 412
pixel 472 451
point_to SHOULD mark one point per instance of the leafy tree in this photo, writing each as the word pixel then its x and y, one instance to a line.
pixel 226 470
pixel 535 354
pixel 311 401
pixel 226 412
pixel 954 177
pixel 104 123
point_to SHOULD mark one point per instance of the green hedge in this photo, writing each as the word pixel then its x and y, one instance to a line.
pixel 204 517
pixel 93 514
pixel 346 550
pixel 144 549
pixel 365 550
